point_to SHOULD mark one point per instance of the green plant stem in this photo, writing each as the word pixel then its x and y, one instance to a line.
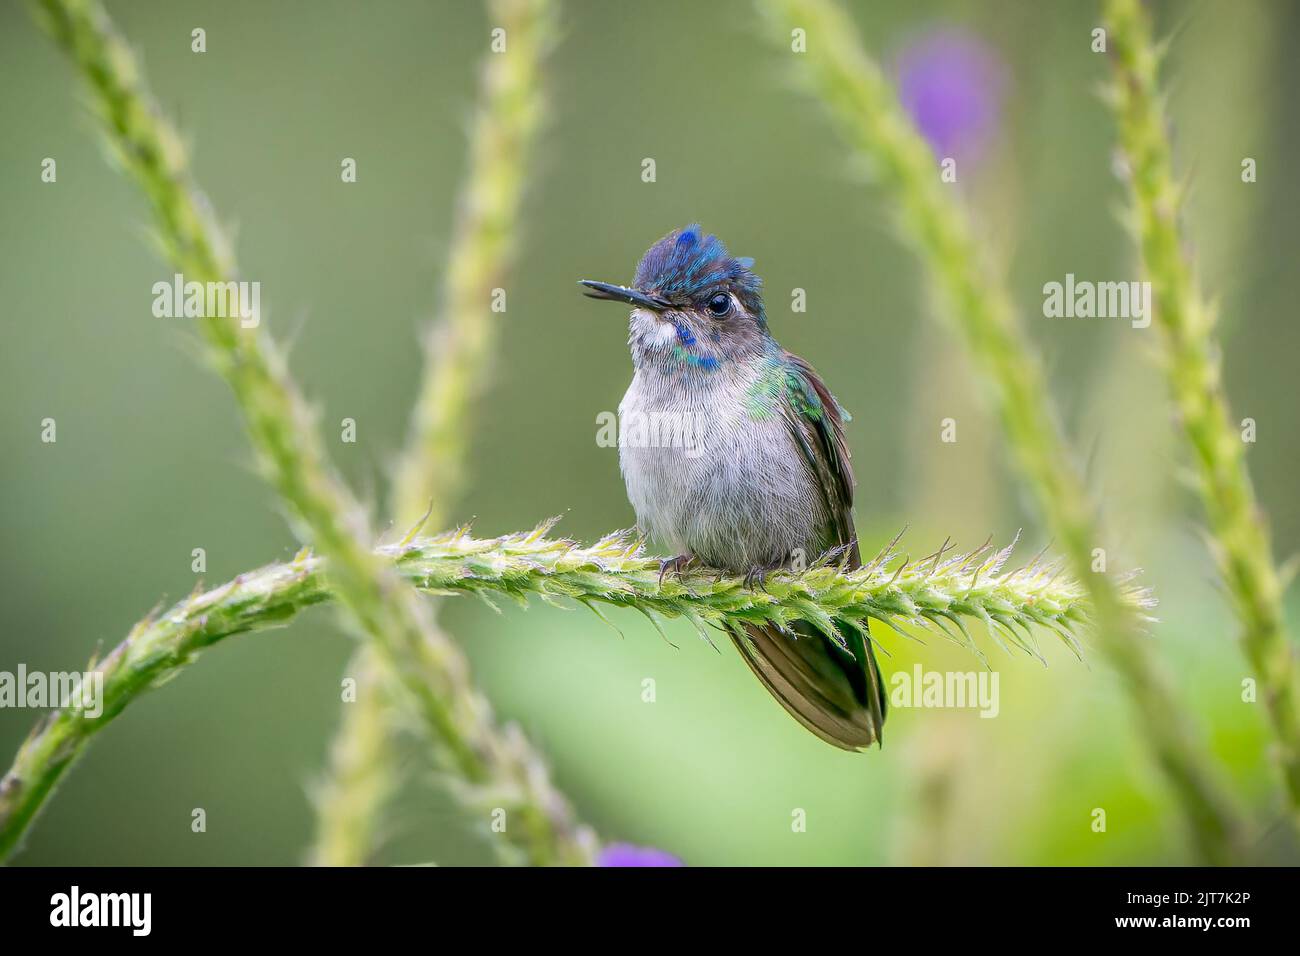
pixel 457 355
pixel 361 776
pixel 1240 538
pixel 362 773
pixel 867 112
pixel 942 593
pixel 491 763
pixel 458 349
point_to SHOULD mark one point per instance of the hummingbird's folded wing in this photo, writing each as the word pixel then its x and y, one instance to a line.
pixel 835 690
pixel 817 423
pixel 826 688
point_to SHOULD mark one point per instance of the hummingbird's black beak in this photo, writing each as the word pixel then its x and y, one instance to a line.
pixel 620 293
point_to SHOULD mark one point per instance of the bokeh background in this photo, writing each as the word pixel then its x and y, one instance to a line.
pixel 150 460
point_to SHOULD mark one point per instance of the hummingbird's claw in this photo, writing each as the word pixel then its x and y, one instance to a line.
pixel 756 578
pixel 675 566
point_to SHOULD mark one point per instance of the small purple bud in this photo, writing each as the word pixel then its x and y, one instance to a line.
pixel 951 83
pixel 625 854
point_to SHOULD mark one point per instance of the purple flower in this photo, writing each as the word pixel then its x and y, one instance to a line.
pixel 625 854
pixel 951 83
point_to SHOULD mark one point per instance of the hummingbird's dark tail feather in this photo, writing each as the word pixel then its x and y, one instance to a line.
pixel 836 694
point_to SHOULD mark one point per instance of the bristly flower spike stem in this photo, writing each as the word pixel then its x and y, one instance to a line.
pixel 840 74
pixel 457 358
pixel 1239 534
pixel 382 608
pixel 613 571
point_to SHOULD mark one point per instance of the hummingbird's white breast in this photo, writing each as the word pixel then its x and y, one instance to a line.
pixel 736 492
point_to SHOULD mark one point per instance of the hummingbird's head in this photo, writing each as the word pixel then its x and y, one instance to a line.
pixel 693 304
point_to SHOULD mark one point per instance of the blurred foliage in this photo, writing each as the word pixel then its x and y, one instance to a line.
pixel 151 461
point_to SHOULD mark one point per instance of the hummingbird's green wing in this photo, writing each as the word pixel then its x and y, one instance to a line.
pixel 834 689
pixel 817 422
pixel 832 693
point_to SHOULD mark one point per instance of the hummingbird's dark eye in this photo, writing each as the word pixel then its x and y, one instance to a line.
pixel 719 304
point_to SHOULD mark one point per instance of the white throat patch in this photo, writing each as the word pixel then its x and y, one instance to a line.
pixel 655 334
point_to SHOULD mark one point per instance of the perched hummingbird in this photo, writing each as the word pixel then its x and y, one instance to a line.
pixel 768 483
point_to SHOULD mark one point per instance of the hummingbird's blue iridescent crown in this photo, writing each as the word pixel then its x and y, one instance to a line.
pixel 687 264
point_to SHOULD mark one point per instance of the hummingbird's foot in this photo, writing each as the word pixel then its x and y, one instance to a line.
pixel 756 577
pixel 675 566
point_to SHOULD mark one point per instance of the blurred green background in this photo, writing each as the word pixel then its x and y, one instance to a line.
pixel 151 462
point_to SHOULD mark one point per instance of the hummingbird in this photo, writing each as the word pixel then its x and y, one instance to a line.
pixel 765 481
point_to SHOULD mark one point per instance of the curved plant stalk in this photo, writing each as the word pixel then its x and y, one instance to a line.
pixel 458 349
pixel 362 774
pixel 362 770
pixel 943 593
pixel 1240 538
pixel 496 766
pixel 867 112
pixel 457 353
